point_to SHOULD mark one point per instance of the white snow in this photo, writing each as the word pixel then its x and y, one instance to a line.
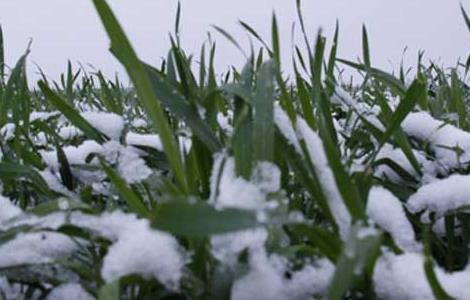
pixel 72 291
pixel 35 248
pixel 54 183
pixel 130 165
pixel 7 132
pixel 397 155
pixel 236 192
pixel 69 132
pixel 8 210
pixel 139 123
pixel 227 247
pixel 148 140
pixel 75 155
pixel 266 279
pixel 441 137
pixel 441 196
pixel 108 123
pixel 403 277
pixel 384 209
pixel 325 175
pixel 136 248
pixel 42 115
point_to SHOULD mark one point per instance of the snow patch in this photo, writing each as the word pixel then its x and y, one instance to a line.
pixel 137 249
pixel 386 211
pixel 108 123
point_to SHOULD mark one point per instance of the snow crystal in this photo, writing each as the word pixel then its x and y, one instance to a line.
pixel 8 210
pixel 75 155
pixel 7 132
pixel 266 280
pixel 387 212
pixel 227 247
pixel 54 184
pixel 73 291
pixel 397 155
pixel 69 132
pixel 325 175
pixel 42 115
pixel 443 138
pixel 130 166
pixel 137 249
pixel 441 196
pixel 403 277
pixel 236 192
pixel 139 123
pixel 108 123
pixel 148 140
pixel 35 248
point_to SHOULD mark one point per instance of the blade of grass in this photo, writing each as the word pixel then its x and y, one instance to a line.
pixel 200 219
pixel 178 105
pixel 263 120
pixel 133 200
pixel 2 56
pixel 123 50
pixel 395 84
pixel 458 101
pixel 465 16
pixel 416 91
pixel 358 257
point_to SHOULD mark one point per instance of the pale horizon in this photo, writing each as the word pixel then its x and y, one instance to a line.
pixel 63 30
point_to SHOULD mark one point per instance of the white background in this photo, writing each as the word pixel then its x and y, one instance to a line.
pixel 70 29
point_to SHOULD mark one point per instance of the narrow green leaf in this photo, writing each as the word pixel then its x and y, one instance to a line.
pixel 11 88
pixel 177 22
pixel 123 50
pixel 358 257
pixel 465 16
pixel 2 56
pixel 330 77
pixel 64 169
pixel 229 37
pixel 458 101
pixel 200 219
pixel 263 120
pixel 60 204
pixel 328 243
pixel 415 92
pixel 133 200
pixel 16 171
pixel 433 281
pixel 365 47
pixel 275 41
pixel 175 102
pixel 256 35
pixel 395 84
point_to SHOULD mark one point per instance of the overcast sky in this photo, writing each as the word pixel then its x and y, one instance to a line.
pixel 70 29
